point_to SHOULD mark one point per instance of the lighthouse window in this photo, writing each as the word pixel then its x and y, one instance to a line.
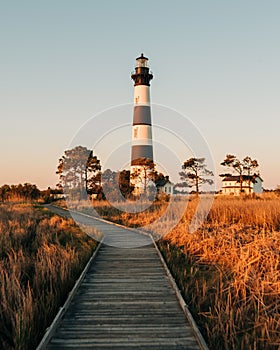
pixel 135 132
pixel 142 62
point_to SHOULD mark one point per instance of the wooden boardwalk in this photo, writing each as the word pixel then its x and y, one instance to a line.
pixel 125 301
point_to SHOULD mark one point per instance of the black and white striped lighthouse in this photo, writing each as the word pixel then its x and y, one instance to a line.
pixel 142 143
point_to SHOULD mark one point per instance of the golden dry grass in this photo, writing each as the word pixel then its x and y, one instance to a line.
pixel 125 215
pixel 41 256
pixel 228 269
pixel 233 284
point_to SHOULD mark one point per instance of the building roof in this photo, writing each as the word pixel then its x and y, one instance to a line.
pixel 142 57
pixel 237 178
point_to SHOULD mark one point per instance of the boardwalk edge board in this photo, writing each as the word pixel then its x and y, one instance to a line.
pixel 52 328
pixel 101 220
pixel 111 223
pixel 182 302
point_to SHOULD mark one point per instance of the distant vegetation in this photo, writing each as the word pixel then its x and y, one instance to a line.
pixel 41 256
pixel 27 192
pixel 80 177
pixel 19 192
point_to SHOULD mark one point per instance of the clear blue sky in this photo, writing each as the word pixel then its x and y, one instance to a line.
pixel 63 61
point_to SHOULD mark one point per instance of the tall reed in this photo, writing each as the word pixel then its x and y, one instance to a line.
pixel 233 281
pixel 228 269
pixel 41 256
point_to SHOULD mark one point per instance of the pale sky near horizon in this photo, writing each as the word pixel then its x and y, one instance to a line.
pixel 62 62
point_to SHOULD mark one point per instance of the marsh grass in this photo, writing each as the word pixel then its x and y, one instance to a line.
pixel 41 256
pixel 229 272
pixel 228 269
pixel 128 214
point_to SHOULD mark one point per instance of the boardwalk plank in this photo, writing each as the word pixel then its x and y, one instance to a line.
pixel 125 301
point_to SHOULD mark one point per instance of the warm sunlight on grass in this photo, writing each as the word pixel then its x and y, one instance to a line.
pixel 228 270
pixel 41 256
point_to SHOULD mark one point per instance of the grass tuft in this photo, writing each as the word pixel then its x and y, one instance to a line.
pixel 41 256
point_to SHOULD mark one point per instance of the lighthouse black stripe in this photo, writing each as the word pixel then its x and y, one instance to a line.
pixel 142 115
pixel 141 151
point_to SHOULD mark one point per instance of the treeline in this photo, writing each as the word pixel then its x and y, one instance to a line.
pixel 27 192
pixel 80 176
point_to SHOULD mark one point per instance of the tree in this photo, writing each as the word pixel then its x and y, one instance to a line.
pixel 195 174
pixel 5 192
pixel 125 185
pixel 249 165
pixel 19 192
pixel 94 185
pixel 143 174
pixel 30 191
pixel 116 183
pixel 77 170
pixel 51 194
pixel 244 168
pixel 108 180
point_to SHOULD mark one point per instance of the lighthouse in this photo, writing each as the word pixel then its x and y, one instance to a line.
pixel 142 143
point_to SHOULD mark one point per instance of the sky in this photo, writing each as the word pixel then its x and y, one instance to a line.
pixel 62 62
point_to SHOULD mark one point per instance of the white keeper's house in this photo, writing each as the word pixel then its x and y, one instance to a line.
pixel 165 186
pixel 250 184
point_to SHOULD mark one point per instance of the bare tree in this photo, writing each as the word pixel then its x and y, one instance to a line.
pixel 249 165
pixel 195 174
pixel 144 172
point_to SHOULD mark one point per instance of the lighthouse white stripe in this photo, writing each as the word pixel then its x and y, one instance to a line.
pixel 142 142
pixel 142 95
pixel 143 133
